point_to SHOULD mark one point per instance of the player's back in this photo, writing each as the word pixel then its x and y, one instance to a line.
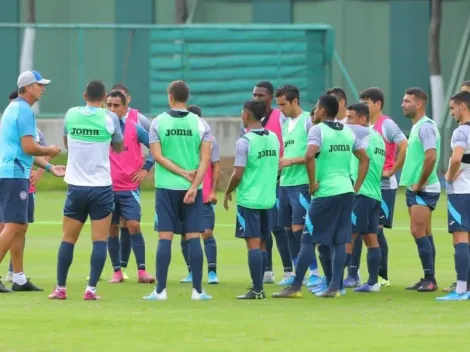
pixel 180 134
pixel 376 152
pixel 14 162
pixel 257 189
pixel 334 159
pixel 89 132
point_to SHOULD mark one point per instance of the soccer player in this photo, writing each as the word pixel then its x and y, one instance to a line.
pixel 255 178
pixel 458 194
pixel 210 183
pixel 419 176
pixel 340 95
pixel 393 137
pixel 17 150
pixel 127 170
pixel 294 198
pixel 180 142
pixel 88 132
pixel 125 239
pixel 273 120
pixel 331 146
pixel 366 207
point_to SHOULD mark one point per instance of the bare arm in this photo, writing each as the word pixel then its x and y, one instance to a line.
pixel 310 164
pixel 30 147
pixel 41 163
pixel 235 179
pixel 205 158
pixel 156 150
pixel 402 146
pixel 428 165
pixel 364 160
pixel 215 176
pixel 455 162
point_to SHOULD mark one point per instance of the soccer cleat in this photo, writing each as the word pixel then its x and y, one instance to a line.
pixel 117 278
pixel 287 279
pixel 368 288
pixel 196 296
pixel 212 278
pixel 314 280
pixel 288 292
pixel 450 288
pixel 454 296
pixel 58 293
pixel 145 277
pixel 188 279
pixel 124 274
pixel 251 294
pixel 27 287
pixel 342 292
pixel 383 282
pixel 154 296
pixel 351 282
pixel 428 286
pixel 415 286
pixel 320 288
pixel 268 277
pixel 4 289
pixel 91 296
pixel 329 293
pixel 9 277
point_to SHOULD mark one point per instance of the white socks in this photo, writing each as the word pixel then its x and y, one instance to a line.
pixel 19 278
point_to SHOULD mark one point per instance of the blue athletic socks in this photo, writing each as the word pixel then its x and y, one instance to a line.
pixel 425 255
pixel 324 254
pixel 269 250
pixel 64 260
pixel 355 262
pixel 431 239
pixel 373 264
pixel 114 255
pixel 138 247
pixel 196 261
pixel 255 263
pixel 303 261
pixel 125 242
pixel 97 261
pixel 184 250
pixel 283 248
pixel 462 261
pixel 210 249
pixel 383 271
pixel 338 260
pixel 163 262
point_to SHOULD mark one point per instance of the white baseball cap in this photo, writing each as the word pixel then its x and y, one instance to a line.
pixel 30 77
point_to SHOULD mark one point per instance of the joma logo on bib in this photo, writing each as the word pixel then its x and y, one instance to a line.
pixel 339 148
pixel 379 151
pixel 289 142
pixel 268 152
pixel 178 132
pixel 84 132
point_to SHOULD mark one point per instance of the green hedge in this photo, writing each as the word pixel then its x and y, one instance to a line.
pixel 51 183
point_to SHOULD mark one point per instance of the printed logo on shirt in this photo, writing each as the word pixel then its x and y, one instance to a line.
pixel 84 132
pixel 178 132
pixel 23 195
pixel 339 148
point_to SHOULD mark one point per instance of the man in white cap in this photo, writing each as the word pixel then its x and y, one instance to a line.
pixel 18 149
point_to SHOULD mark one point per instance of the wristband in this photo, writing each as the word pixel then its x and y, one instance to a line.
pixel 48 167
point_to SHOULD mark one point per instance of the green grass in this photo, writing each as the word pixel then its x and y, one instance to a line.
pixel 393 320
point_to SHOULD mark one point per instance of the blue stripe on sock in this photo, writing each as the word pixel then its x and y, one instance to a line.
pixel 454 213
pixel 420 201
pixel 385 209
pixel 241 220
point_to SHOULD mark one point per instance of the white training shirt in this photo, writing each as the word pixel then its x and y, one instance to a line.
pixel 461 138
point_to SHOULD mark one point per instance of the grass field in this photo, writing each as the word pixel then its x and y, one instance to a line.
pixel 393 320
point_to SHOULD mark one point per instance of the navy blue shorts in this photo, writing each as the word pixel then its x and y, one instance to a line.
pixel 84 201
pixel 458 212
pixel 426 199
pixel 253 223
pixel 328 220
pixel 31 205
pixel 293 205
pixel 365 215
pixel 208 216
pixel 127 205
pixel 387 207
pixel 14 200
pixel 173 215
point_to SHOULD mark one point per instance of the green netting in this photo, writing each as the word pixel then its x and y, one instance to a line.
pixel 222 65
